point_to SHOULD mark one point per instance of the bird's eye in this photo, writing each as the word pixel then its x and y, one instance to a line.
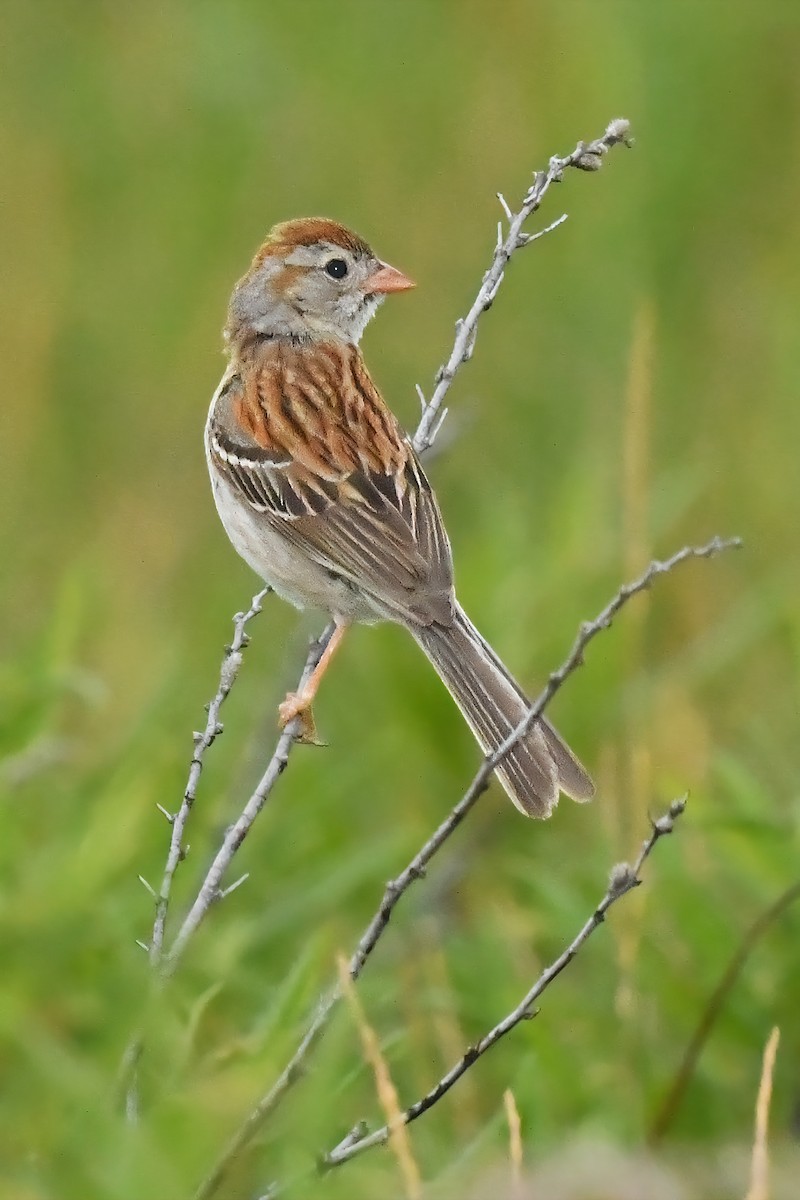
pixel 336 268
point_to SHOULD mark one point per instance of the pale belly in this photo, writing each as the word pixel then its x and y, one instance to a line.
pixel 298 579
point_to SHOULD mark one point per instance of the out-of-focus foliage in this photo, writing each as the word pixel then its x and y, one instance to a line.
pixel 634 388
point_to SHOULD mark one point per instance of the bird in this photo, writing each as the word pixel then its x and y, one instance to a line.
pixel 321 491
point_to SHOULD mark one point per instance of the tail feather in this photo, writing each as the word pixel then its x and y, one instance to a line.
pixel 573 779
pixel 493 704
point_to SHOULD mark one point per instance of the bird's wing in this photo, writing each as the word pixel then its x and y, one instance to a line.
pixel 305 438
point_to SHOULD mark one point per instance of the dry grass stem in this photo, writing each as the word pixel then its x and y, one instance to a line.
pixel 759 1171
pixel 399 1142
pixel 514 1141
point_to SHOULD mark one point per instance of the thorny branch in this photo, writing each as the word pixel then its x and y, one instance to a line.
pixel 210 890
pixel 585 156
pixel 587 632
pixel 624 877
pixel 202 740
pixel 416 868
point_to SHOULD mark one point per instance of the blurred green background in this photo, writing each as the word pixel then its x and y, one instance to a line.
pixel 634 388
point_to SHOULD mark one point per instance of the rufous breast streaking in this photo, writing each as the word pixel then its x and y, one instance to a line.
pixel 321 491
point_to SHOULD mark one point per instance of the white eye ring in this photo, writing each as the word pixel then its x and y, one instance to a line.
pixel 336 267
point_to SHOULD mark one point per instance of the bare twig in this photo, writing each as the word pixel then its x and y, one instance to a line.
pixel 210 890
pixel 624 878
pixel 202 740
pixel 669 1106
pixel 395 888
pixel 586 157
pixel 587 632
pixel 229 670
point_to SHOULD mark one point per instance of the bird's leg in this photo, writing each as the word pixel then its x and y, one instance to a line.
pixel 298 704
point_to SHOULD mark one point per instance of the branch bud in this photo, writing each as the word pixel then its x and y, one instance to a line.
pixel 619 130
pixel 622 879
pixel 589 161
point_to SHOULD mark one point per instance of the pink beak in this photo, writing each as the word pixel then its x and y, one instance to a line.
pixel 387 279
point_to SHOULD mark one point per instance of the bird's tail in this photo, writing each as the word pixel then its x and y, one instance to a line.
pixel 540 765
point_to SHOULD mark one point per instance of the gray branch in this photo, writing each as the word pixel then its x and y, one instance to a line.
pixel 202 741
pixel 210 890
pixel 416 868
pixel 624 878
pixel 231 664
pixel 586 157
pixel 587 632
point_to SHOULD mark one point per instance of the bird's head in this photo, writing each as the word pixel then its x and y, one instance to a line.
pixel 311 279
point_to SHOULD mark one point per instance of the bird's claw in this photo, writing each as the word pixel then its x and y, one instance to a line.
pixel 297 707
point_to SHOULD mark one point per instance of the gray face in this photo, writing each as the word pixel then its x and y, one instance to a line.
pixel 329 288
pixel 316 289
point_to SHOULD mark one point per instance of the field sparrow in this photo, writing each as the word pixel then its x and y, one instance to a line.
pixel 321 492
